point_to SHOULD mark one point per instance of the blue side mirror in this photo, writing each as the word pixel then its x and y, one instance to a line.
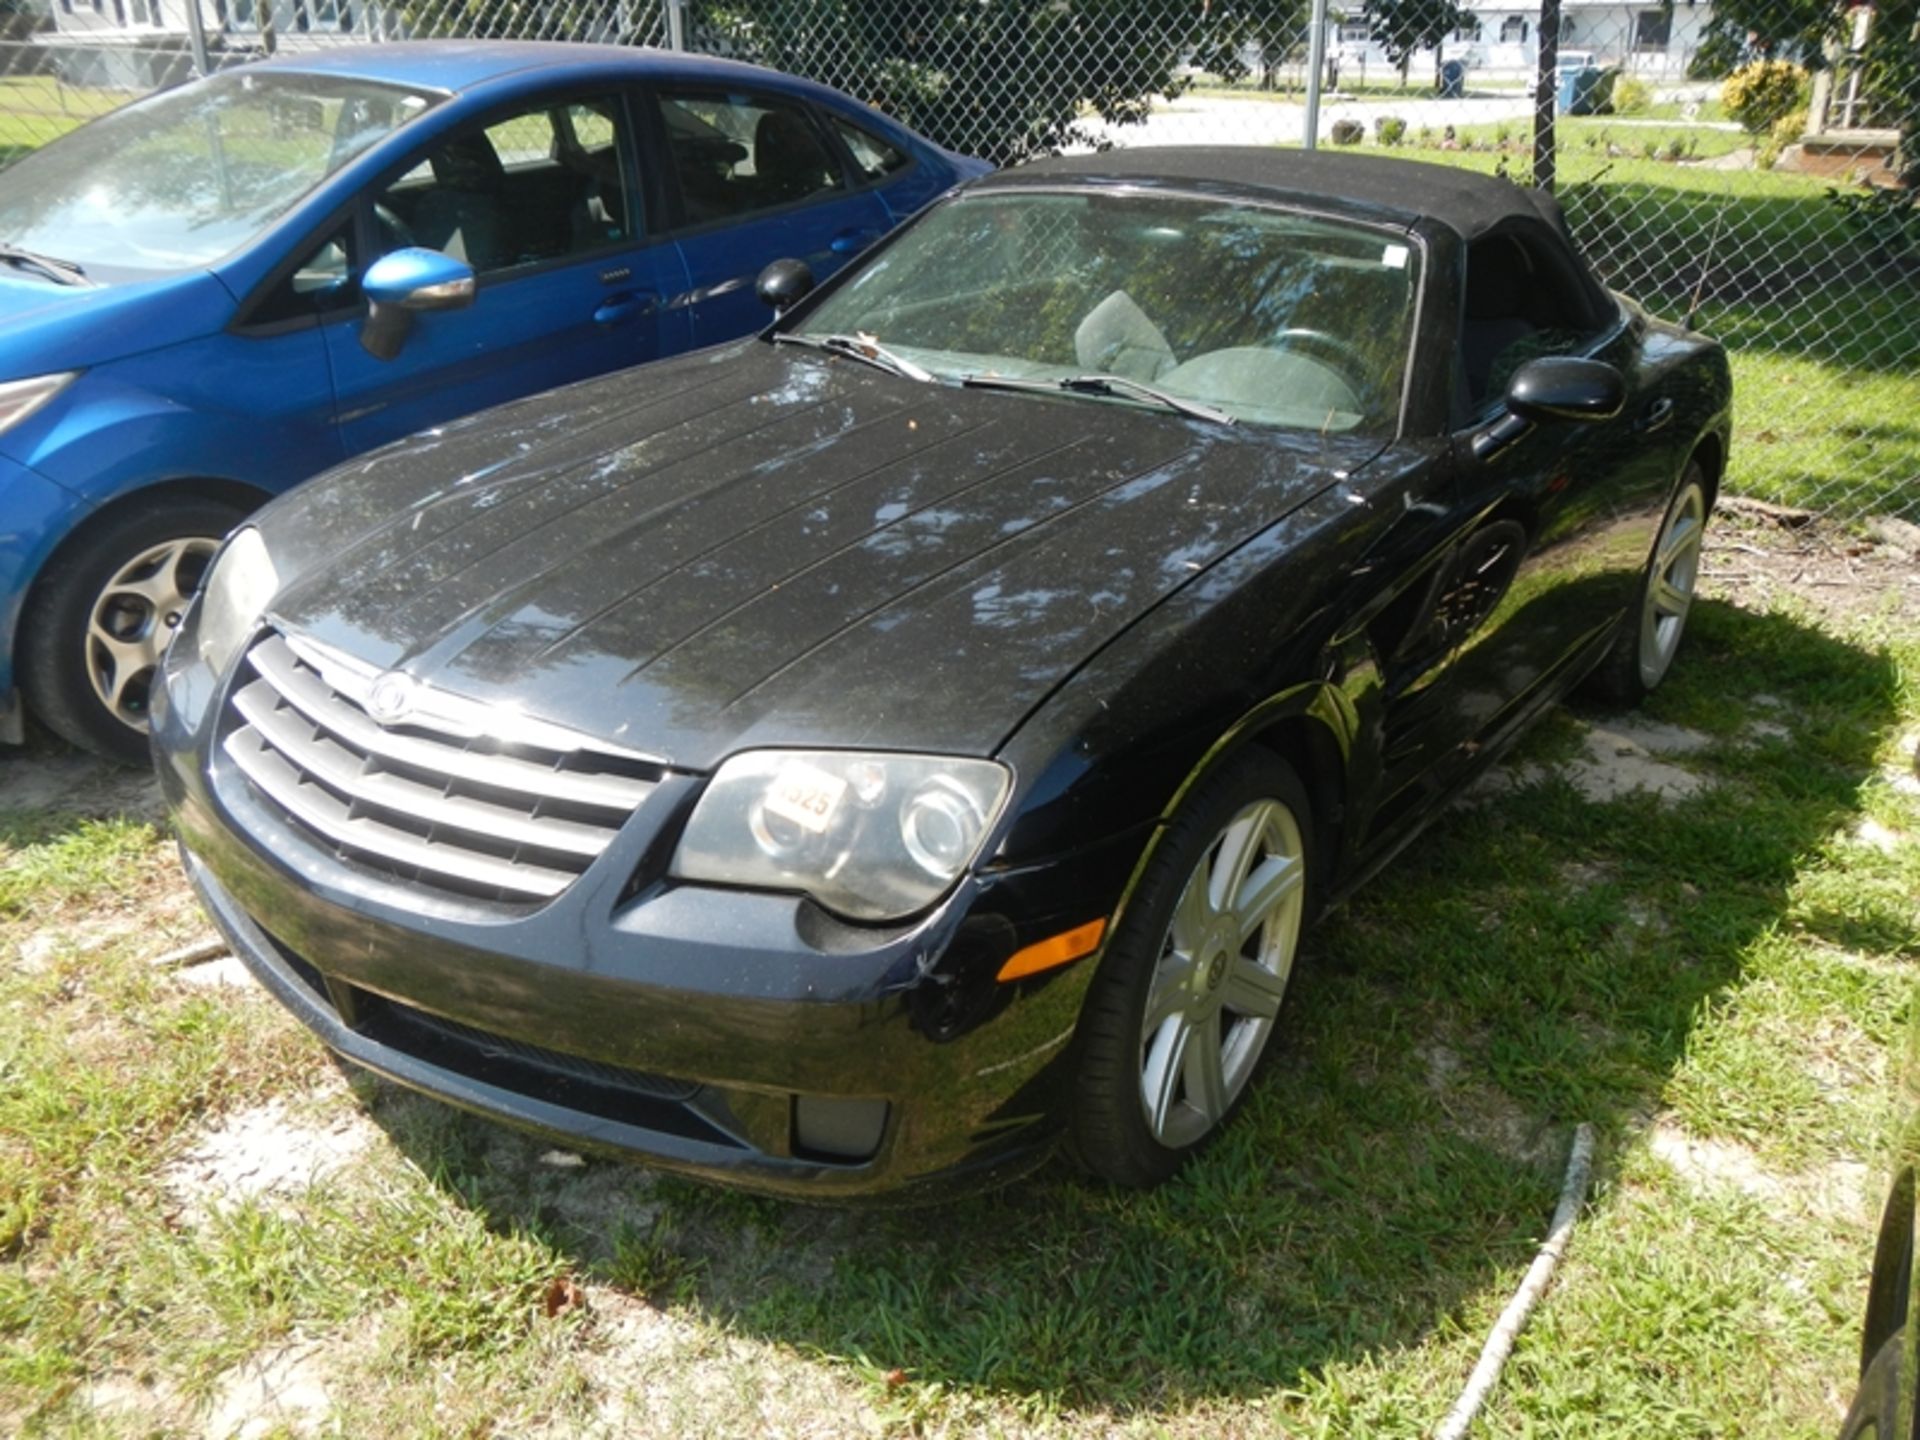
pixel 399 285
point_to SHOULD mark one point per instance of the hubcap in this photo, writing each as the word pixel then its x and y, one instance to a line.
pixel 1670 585
pixel 1222 971
pixel 135 616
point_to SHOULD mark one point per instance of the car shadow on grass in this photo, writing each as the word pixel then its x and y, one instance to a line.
pixel 1534 960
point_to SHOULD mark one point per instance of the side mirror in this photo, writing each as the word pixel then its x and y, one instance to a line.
pixel 784 283
pixel 1565 388
pixel 402 284
pixel 1554 388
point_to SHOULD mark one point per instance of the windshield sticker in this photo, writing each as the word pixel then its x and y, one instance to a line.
pixel 1395 257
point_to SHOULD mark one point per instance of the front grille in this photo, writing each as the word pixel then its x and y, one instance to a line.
pixel 434 799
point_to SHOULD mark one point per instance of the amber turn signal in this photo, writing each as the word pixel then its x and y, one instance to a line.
pixel 1054 951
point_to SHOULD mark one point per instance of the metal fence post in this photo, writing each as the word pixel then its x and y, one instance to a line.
pixel 1316 66
pixel 197 36
pixel 676 24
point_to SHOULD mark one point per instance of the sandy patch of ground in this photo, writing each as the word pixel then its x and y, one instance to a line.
pixel 271 1152
pixel 75 783
pixel 1838 1188
pixel 1756 557
pixel 1483 1112
pixel 1619 756
pixel 280 1391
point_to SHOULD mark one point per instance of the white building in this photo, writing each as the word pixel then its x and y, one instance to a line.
pixel 1650 40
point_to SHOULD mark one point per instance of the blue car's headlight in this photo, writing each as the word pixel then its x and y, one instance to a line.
pixel 240 585
pixel 20 398
pixel 869 836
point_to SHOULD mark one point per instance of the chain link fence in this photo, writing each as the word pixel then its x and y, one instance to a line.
pixel 1754 161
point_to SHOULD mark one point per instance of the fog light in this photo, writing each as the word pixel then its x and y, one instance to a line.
pixel 838 1129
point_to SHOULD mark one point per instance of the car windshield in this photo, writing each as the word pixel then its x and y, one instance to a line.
pixel 1263 314
pixel 191 175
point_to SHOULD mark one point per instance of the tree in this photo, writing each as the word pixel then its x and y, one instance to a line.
pixel 1272 30
pixel 1004 79
pixel 1402 27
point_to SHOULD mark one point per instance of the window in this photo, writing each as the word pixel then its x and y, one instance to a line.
pixel 1652 30
pixel 320 283
pixel 872 156
pixel 1518 308
pixel 1513 30
pixel 1354 33
pixel 738 154
pixel 536 186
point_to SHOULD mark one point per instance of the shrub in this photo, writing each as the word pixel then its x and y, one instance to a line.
pixel 1390 129
pixel 1763 94
pixel 1348 132
pixel 1786 131
pixel 1631 95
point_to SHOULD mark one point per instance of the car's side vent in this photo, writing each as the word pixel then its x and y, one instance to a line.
pixel 426 799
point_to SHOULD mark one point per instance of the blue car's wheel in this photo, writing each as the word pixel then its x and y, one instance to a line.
pixel 101 615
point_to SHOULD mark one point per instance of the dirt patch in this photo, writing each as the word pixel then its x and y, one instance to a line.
pixel 282 1391
pixel 1618 756
pixel 1757 556
pixel 1483 1112
pixel 272 1152
pixel 1838 1188
pixel 69 782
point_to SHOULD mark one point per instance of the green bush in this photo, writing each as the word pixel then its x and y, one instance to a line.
pixel 1348 132
pixel 1786 131
pixel 1631 95
pixel 1764 93
pixel 1390 130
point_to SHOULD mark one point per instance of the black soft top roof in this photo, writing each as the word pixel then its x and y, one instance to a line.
pixel 1402 190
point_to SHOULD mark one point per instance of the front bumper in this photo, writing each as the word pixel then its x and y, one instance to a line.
pixel 742 1037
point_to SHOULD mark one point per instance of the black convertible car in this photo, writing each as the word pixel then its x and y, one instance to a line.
pixel 849 760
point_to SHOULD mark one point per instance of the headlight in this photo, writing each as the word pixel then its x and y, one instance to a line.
pixel 871 837
pixel 20 398
pixel 237 591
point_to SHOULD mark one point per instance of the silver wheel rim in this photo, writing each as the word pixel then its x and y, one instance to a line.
pixel 1222 971
pixel 133 618
pixel 1670 585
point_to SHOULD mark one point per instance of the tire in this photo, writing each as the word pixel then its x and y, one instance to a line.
pixel 1876 1405
pixel 1180 970
pixel 1650 634
pixel 101 613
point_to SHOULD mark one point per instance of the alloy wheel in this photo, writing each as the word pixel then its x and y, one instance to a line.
pixel 1671 583
pixel 1222 972
pixel 133 618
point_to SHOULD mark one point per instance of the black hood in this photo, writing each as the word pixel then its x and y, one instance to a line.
pixel 754 547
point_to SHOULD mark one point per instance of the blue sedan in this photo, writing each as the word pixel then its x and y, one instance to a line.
pixel 210 295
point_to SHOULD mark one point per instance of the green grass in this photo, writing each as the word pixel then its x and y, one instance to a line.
pixel 1733 968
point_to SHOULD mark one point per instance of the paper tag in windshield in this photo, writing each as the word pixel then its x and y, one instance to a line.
pixel 806 795
pixel 1395 257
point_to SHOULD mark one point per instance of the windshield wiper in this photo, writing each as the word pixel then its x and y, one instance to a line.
pixel 1115 386
pixel 61 272
pixel 858 347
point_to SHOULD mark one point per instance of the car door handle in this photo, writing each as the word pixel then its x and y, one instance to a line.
pixel 849 241
pixel 1657 414
pixel 617 308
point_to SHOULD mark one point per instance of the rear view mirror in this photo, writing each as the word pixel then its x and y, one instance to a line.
pixel 1562 387
pixel 784 283
pixel 399 285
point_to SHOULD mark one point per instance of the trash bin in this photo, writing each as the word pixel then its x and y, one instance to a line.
pixel 1453 79
pixel 1587 89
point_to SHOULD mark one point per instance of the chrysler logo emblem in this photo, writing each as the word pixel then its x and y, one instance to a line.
pixel 390 698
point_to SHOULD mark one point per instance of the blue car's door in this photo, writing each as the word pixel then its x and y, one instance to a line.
pixel 753 177
pixel 544 203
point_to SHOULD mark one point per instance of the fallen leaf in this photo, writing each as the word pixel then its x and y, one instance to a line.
pixel 896 1378
pixel 563 1294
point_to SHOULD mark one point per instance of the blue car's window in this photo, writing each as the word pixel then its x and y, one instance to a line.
pixel 1275 317
pixel 735 155
pixel 189 176
pixel 875 158
pixel 537 185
